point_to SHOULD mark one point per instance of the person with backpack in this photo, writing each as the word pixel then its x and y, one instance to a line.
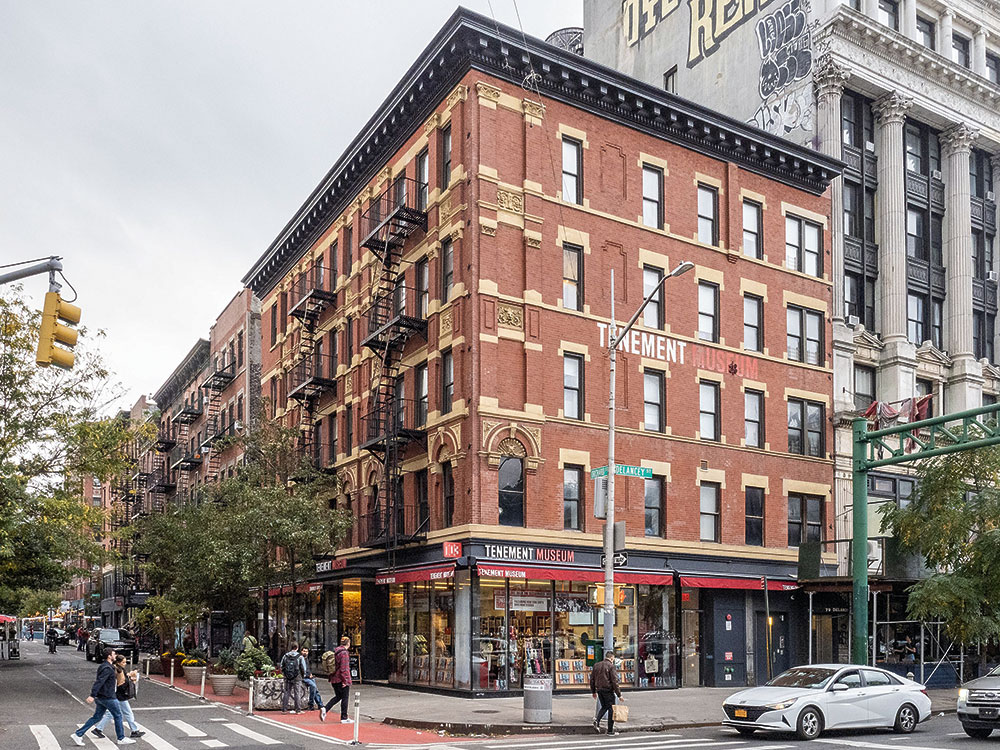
pixel 102 694
pixel 124 692
pixel 340 679
pixel 309 680
pixel 293 668
pixel 50 638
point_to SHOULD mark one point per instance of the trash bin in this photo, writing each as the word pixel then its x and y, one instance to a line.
pixel 538 699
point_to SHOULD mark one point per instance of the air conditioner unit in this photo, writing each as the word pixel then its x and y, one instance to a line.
pixel 870 146
pixel 853 321
pixel 936 174
pixel 990 196
pixel 991 276
pixel 237 425
pixel 875 557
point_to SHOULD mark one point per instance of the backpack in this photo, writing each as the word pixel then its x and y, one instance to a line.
pixel 329 660
pixel 290 665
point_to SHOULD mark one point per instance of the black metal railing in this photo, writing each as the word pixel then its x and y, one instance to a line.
pixel 186 458
pixel 393 215
pixel 189 411
pixel 401 421
pixel 395 317
pixel 166 438
pixel 164 480
pixel 403 524
pixel 312 292
pixel 313 375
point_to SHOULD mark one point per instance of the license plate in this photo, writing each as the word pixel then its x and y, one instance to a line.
pixel 740 713
pixel 988 713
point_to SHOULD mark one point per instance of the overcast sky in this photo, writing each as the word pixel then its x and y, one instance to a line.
pixel 159 146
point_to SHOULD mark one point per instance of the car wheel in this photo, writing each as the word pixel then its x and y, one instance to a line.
pixel 810 723
pixel 746 731
pixel 906 719
pixel 977 733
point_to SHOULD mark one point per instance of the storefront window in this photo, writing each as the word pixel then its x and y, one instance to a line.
pixel 530 605
pixel 420 626
pixel 489 649
pixel 691 635
pixel 443 632
pixel 574 627
pixel 656 660
pixel 399 640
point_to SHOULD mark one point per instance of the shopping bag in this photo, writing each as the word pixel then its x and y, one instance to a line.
pixel 620 712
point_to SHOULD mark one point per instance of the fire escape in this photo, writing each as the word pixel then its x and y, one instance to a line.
pixel 314 372
pixel 164 479
pixel 185 456
pixel 396 314
pixel 218 380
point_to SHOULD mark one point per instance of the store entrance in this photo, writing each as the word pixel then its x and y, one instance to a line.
pixel 690 638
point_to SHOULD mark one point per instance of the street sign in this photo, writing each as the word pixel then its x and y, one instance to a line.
pixel 623 470
pixel 620 559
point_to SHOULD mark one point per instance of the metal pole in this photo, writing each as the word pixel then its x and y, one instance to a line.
pixel 810 661
pixel 203 684
pixel 874 623
pixel 609 522
pixel 357 717
pixel 250 699
pixel 49 266
pixel 767 629
pixel 921 652
pixel 859 544
pixel 171 671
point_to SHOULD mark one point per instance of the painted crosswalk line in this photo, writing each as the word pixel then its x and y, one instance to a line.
pixel 261 738
pixel 214 743
pixel 43 735
pixel 101 743
pixel 618 741
pixel 157 742
pixel 189 730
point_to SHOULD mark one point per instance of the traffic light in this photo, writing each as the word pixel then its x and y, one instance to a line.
pixel 53 331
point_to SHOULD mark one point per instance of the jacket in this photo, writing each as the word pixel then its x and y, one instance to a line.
pixel 303 667
pixel 341 675
pixel 126 688
pixel 105 684
pixel 604 678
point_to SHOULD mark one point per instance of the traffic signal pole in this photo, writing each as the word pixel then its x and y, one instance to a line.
pixel 51 266
pixel 51 331
pixel 859 545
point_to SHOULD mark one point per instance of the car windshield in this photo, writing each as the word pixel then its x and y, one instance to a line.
pixel 114 635
pixel 995 672
pixel 814 678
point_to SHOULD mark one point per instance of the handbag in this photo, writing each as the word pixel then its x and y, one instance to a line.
pixel 620 713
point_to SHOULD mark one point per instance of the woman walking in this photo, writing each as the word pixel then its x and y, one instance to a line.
pixel 124 693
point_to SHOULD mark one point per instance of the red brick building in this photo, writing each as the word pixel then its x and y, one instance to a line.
pixel 435 319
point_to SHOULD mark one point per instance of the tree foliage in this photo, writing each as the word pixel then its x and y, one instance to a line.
pixel 953 521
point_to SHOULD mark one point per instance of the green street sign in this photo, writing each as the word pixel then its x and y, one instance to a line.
pixel 623 470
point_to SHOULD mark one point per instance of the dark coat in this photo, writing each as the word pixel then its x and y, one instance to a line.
pixel 604 678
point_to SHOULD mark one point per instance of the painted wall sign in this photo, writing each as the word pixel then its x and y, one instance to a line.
pixel 639 17
pixel 671 350
pixel 526 554
pixel 326 565
pixel 714 20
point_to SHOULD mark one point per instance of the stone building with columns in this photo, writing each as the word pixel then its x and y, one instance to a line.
pixel 905 92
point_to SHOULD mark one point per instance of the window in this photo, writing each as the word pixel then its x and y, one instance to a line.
pixel 399 191
pixel 349 334
pixel 572 276
pixel 274 395
pixel 914 144
pixel 993 67
pixel 447 381
pixel 447 494
pixel 239 409
pixel 572 497
pixel 937 241
pixel 652 197
pixel 982 334
pixel 915 319
pixel 753 246
pixel 980 173
pixel 670 80
pixel 652 315
pixel 274 325
pixel 420 391
pixel 864 387
pixel 924 387
pixel 708 215
pixel 916 234
pixel 708 409
pixel 334 261
pixel 511 484
pixel 805 427
pixel 937 314
pixel 870 215
pixel 849 121
pixel 753 323
pixel 652 385
pixel 447 269
pixel 572 171
pixel 348 243
pixel 573 386
pixel 805 335
pixel 960 49
pixel 423 506
pixel 925 32
pixel 888 13
pixel 754 517
pixel 653 505
pixel 982 254
pixel 855 4
pixel 802 246
pixel 708 311
pixel 753 418
pixel 423 177
pixel 349 429
pixel 423 288
pixel 331 437
pixel 710 514
pixel 805 519
pixel 852 210
pixel 239 349
pixel 445 156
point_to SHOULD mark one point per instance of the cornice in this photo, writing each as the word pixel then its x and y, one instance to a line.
pixel 193 363
pixel 469 41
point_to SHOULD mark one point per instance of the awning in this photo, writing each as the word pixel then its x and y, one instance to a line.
pixel 590 575
pixel 286 590
pixel 702 582
pixel 434 573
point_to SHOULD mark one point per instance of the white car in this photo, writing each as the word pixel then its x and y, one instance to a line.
pixel 808 699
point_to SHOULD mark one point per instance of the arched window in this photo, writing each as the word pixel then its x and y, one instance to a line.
pixel 511 483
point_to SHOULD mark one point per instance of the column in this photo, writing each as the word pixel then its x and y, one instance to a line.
pixel 964 387
pixel 944 32
pixel 979 52
pixel 995 163
pixel 898 361
pixel 909 27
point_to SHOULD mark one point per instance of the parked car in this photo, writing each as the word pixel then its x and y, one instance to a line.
pixel 62 637
pixel 120 640
pixel 979 705
pixel 808 699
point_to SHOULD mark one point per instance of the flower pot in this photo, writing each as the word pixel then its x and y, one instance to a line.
pixel 222 684
pixel 165 665
pixel 193 675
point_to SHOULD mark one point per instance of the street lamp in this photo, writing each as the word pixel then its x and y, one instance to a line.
pixel 609 524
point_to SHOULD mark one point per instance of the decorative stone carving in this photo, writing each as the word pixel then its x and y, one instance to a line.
pixel 534 109
pixel 958 138
pixel 432 122
pixel 488 427
pixel 458 95
pixel 456 234
pixel 507 200
pixel 384 176
pixel 891 108
pixel 512 439
pixel 829 76
pixel 533 241
pixel 444 207
pixel 349 383
pixel 488 230
pixel 445 323
pixel 510 316
pixel 512 447
pixel 485 91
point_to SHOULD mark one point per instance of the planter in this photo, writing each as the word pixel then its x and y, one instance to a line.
pixel 267 694
pixel 222 684
pixel 165 666
pixel 193 675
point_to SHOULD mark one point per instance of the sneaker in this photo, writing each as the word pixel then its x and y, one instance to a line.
pixel 97 733
pixel 613 734
pixel 137 733
pixel 77 739
pixel 322 713
pixel 347 721
pixel 597 726
pixel 126 741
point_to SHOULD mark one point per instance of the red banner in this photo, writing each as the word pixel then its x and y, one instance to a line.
pixel 702 582
pixel 436 573
pixel 590 575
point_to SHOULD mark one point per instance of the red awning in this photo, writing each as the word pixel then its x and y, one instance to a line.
pixel 435 573
pixel 7 618
pixel 702 582
pixel 590 575
pixel 286 590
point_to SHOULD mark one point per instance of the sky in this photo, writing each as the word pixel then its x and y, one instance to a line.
pixel 160 146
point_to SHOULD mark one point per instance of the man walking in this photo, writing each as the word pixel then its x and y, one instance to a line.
pixel 340 680
pixel 102 694
pixel 605 687
pixel 82 634
pixel 293 668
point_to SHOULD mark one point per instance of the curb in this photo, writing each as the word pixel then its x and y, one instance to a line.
pixel 468 728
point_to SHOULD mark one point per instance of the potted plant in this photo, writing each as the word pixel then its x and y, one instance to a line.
pixel 195 666
pixel 252 661
pixel 175 657
pixel 223 674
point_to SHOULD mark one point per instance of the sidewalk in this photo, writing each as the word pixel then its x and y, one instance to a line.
pixel 393 715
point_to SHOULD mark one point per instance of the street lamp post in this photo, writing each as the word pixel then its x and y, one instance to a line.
pixel 614 336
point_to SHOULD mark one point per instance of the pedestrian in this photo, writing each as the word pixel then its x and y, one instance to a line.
pixel 50 638
pixel 102 695
pixel 340 680
pixel 293 668
pixel 124 693
pixel 309 680
pixel 605 687
pixel 82 635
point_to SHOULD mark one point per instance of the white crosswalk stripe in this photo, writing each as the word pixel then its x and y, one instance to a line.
pixel 46 740
pixel 619 741
pixel 156 741
pixel 214 743
pixel 262 738
pixel 873 745
pixel 102 743
pixel 189 730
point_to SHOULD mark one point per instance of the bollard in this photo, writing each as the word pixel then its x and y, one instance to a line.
pixel 357 717
pixel 909 675
pixel 147 669
pixel 171 673
pixel 250 706
pixel 202 696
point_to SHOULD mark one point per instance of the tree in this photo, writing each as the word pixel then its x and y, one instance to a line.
pixel 953 521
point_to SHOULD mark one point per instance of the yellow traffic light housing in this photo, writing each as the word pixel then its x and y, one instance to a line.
pixel 52 331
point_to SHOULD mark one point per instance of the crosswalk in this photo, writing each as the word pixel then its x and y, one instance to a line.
pixel 630 741
pixel 220 733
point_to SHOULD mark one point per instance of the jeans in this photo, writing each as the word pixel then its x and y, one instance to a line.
pixel 314 697
pixel 291 686
pixel 607 699
pixel 127 716
pixel 101 705
pixel 341 694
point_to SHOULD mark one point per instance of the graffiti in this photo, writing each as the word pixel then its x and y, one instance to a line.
pixel 639 17
pixel 781 115
pixel 785 48
pixel 714 20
